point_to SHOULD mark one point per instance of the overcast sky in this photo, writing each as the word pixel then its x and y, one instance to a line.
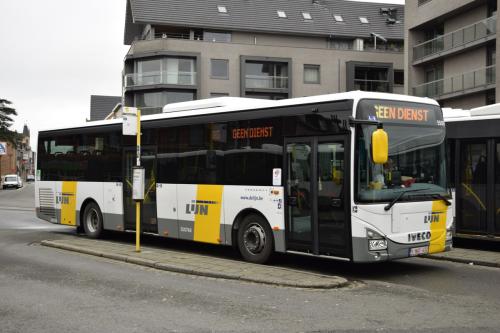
pixel 54 54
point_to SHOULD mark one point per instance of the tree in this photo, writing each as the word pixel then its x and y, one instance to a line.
pixel 6 114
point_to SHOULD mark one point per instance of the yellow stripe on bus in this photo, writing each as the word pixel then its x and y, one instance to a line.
pixel 438 229
pixel 207 218
pixel 68 203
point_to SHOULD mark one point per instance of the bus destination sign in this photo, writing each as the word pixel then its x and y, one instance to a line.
pixel 399 112
pixel 252 132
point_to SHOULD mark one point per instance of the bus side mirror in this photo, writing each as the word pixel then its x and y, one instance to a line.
pixel 380 146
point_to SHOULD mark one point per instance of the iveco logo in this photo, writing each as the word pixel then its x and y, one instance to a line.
pixel 199 207
pixel 431 217
pixel 419 236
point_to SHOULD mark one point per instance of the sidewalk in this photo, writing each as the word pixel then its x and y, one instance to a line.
pixel 196 264
pixel 469 256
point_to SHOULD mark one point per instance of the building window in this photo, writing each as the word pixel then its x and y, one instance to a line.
pixel 212 36
pixel 219 69
pixel 168 70
pixel 266 75
pixel 363 20
pixel 222 9
pixel 399 77
pixel 490 97
pixel 281 13
pixel 338 18
pixel 340 44
pixel 423 2
pixel 311 74
pixel 218 94
pixel 306 16
pixel 369 76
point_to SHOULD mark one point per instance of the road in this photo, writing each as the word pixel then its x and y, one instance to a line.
pixel 48 290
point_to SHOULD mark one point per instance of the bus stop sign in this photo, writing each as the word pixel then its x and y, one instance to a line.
pixel 130 121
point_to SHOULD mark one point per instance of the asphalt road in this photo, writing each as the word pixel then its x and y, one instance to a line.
pixel 48 290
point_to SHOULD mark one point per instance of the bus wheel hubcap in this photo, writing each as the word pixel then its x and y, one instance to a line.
pixel 92 220
pixel 254 238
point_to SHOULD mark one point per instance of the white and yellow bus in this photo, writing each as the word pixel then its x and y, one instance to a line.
pixel 294 175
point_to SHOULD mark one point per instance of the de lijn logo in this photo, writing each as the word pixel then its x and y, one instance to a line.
pixel 431 217
pixel 199 207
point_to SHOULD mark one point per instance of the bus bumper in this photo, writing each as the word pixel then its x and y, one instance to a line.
pixel 361 254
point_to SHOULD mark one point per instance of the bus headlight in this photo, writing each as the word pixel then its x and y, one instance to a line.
pixel 377 244
pixel 376 241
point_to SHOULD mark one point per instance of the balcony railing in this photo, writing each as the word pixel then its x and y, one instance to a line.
pixel 455 39
pixel 164 77
pixel 266 82
pixel 167 35
pixel 455 84
pixel 371 85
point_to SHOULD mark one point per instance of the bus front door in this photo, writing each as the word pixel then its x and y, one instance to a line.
pixel 148 209
pixel 317 216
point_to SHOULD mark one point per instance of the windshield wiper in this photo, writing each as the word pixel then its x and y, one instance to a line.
pixel 438 196
pixel 400 195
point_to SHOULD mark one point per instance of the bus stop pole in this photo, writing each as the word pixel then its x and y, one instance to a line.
pixel 138 203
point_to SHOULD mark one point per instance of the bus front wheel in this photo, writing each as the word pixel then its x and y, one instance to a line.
pixel 255 239
pixel 92 220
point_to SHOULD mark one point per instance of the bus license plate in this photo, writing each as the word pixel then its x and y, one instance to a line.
pixel 416 251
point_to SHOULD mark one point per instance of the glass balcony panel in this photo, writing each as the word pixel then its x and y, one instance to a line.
pixel 491 75
pixel 152 78
pixel 469 80
pixel 469 34
pixel 458 38
pixel 480 78
pixel 266 82
pixel 371 85
pixel 481 30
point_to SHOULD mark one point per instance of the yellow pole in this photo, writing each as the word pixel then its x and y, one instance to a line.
pixel 138 203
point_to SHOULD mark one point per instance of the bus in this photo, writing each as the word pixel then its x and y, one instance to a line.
pixel 290 176
pixel 474 157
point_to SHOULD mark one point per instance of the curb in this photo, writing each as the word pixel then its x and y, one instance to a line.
pixel 24 209
pixel 463 261
pixel 338 283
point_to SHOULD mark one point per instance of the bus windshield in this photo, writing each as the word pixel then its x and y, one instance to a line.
pixel 416 152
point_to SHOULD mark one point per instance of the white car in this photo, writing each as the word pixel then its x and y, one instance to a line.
pixel 10 181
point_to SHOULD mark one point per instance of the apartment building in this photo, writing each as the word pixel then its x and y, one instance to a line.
pixel 450 51
pixel 186 50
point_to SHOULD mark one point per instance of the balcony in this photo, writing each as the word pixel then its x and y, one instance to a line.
pixel 372 85
pixel 469 82
pixel 163 77
pixel 266 82
pixel 468 36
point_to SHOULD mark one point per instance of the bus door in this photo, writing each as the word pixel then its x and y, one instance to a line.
pixel 148 209
pixel 317 200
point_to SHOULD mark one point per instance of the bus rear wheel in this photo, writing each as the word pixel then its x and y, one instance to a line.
pixel 255 239
pixel 92 220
